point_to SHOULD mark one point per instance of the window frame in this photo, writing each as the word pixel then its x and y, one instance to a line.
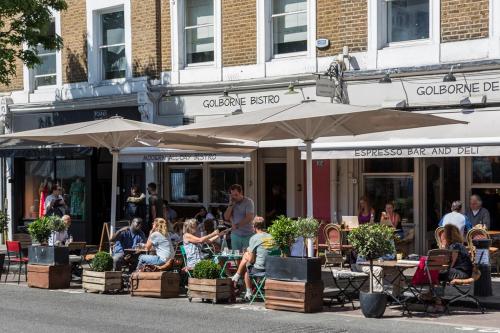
pixel 221 166
pixel 271 32
pixel 101 46
pixel 94 10
pixel 184 31
pixel 185 166
pixel 384 26
pixel 29 73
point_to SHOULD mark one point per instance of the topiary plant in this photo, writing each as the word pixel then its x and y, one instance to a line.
pixel 56 223
pixel 102 262
pixel 372 241
pixel 284 232
pixel 40 229
pixel 4 221
pixel 206 269
pixel 307 227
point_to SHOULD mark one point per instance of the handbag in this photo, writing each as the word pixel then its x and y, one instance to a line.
pixel 421 278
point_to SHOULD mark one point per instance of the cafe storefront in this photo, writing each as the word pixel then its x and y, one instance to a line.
pixel 84 174
pixel 421 170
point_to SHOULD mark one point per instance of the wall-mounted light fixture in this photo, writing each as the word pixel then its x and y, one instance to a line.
pixel 385 79
pixel 449 77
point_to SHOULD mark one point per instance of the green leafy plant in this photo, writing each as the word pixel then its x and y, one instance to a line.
pixel 206 269
pixel 307 228
pixel 56 223
pixel 4 221
pixel 372 241
pixel 284 231
pixel 40 229
pixel 102 262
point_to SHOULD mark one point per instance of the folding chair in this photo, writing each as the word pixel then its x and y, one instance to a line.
pixel 347 282
pixel 15 255
pixel 184 259
pixel 464 288
pixel 258 282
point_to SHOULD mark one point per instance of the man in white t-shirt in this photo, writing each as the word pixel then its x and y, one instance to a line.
pixel 456 218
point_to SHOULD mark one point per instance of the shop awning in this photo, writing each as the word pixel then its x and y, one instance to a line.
pixel 165 155
pixel 481 137
pixel 31 149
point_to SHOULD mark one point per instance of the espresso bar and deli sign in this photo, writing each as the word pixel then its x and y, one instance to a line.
pixel 455 151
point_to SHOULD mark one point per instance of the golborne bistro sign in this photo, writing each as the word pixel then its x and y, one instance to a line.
pixel 455 151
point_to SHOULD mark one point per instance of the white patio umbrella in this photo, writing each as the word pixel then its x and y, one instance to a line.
pixel 309 121
pixel 116 133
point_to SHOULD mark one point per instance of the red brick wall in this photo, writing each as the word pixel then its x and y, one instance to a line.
pixel 464 20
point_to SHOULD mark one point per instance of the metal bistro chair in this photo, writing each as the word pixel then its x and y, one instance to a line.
pixel 15 255
pixel 259 280
pixel 437 235
pixel 483 234
pixel 347 282
pixel 335 242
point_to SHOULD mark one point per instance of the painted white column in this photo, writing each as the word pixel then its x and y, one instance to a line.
pixel 309 179
pixel 114 181
pixel 333 191
pixel 10 204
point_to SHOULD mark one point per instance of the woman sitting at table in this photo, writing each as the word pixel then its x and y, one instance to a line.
pixel 365 212
pixel 193 243
pixel 159 239
pixel 461 264
pixel 391 218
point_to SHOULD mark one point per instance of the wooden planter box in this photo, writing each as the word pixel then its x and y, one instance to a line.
pixel 101 281
pixel 155 284
pixel 210 289
pixel 49 277
pixel 294 296
pixel 48 255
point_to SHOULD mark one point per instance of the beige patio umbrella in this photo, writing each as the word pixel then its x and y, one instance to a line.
pixel 309 121
pixel 116 133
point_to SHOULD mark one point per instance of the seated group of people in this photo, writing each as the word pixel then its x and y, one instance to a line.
pixel 253 259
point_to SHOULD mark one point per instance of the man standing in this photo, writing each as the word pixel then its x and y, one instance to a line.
pixel 54 203
pixel 241 213
pixel 456 218
pixel 477 214
pixel 126 238
pixel 155 205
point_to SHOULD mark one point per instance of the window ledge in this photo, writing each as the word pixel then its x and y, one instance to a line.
pixel 409 43
pixel 45 89
pixel 111 82
pixel 210 64
pixel 293 55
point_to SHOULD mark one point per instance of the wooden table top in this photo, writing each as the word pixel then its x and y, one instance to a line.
pixel 493 232
pixel 136 251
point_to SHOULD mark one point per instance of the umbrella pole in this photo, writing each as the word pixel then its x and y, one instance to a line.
pixel 114 178
pixel 309 178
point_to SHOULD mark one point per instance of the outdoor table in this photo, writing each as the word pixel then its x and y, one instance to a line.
pixel 235 258
pixel 493 232
pixel 399 268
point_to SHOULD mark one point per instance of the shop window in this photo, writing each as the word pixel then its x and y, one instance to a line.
pixel 42 175
pixel 407 20
pixel 385 188
pixel 289 26
pixel 220 181
pixel 199 31
pixel 491 201
pixel 376 165
pixel 486 170
pixel 112 45
pixel 45 74
pixel 38 182
pixel 70 174
pixel 186 185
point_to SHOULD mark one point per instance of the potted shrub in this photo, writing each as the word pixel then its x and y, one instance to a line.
pixel 207 285
pixel 307 228
pixel 284 232
pixel 101 277
pixel 372 241
pixel 40 230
